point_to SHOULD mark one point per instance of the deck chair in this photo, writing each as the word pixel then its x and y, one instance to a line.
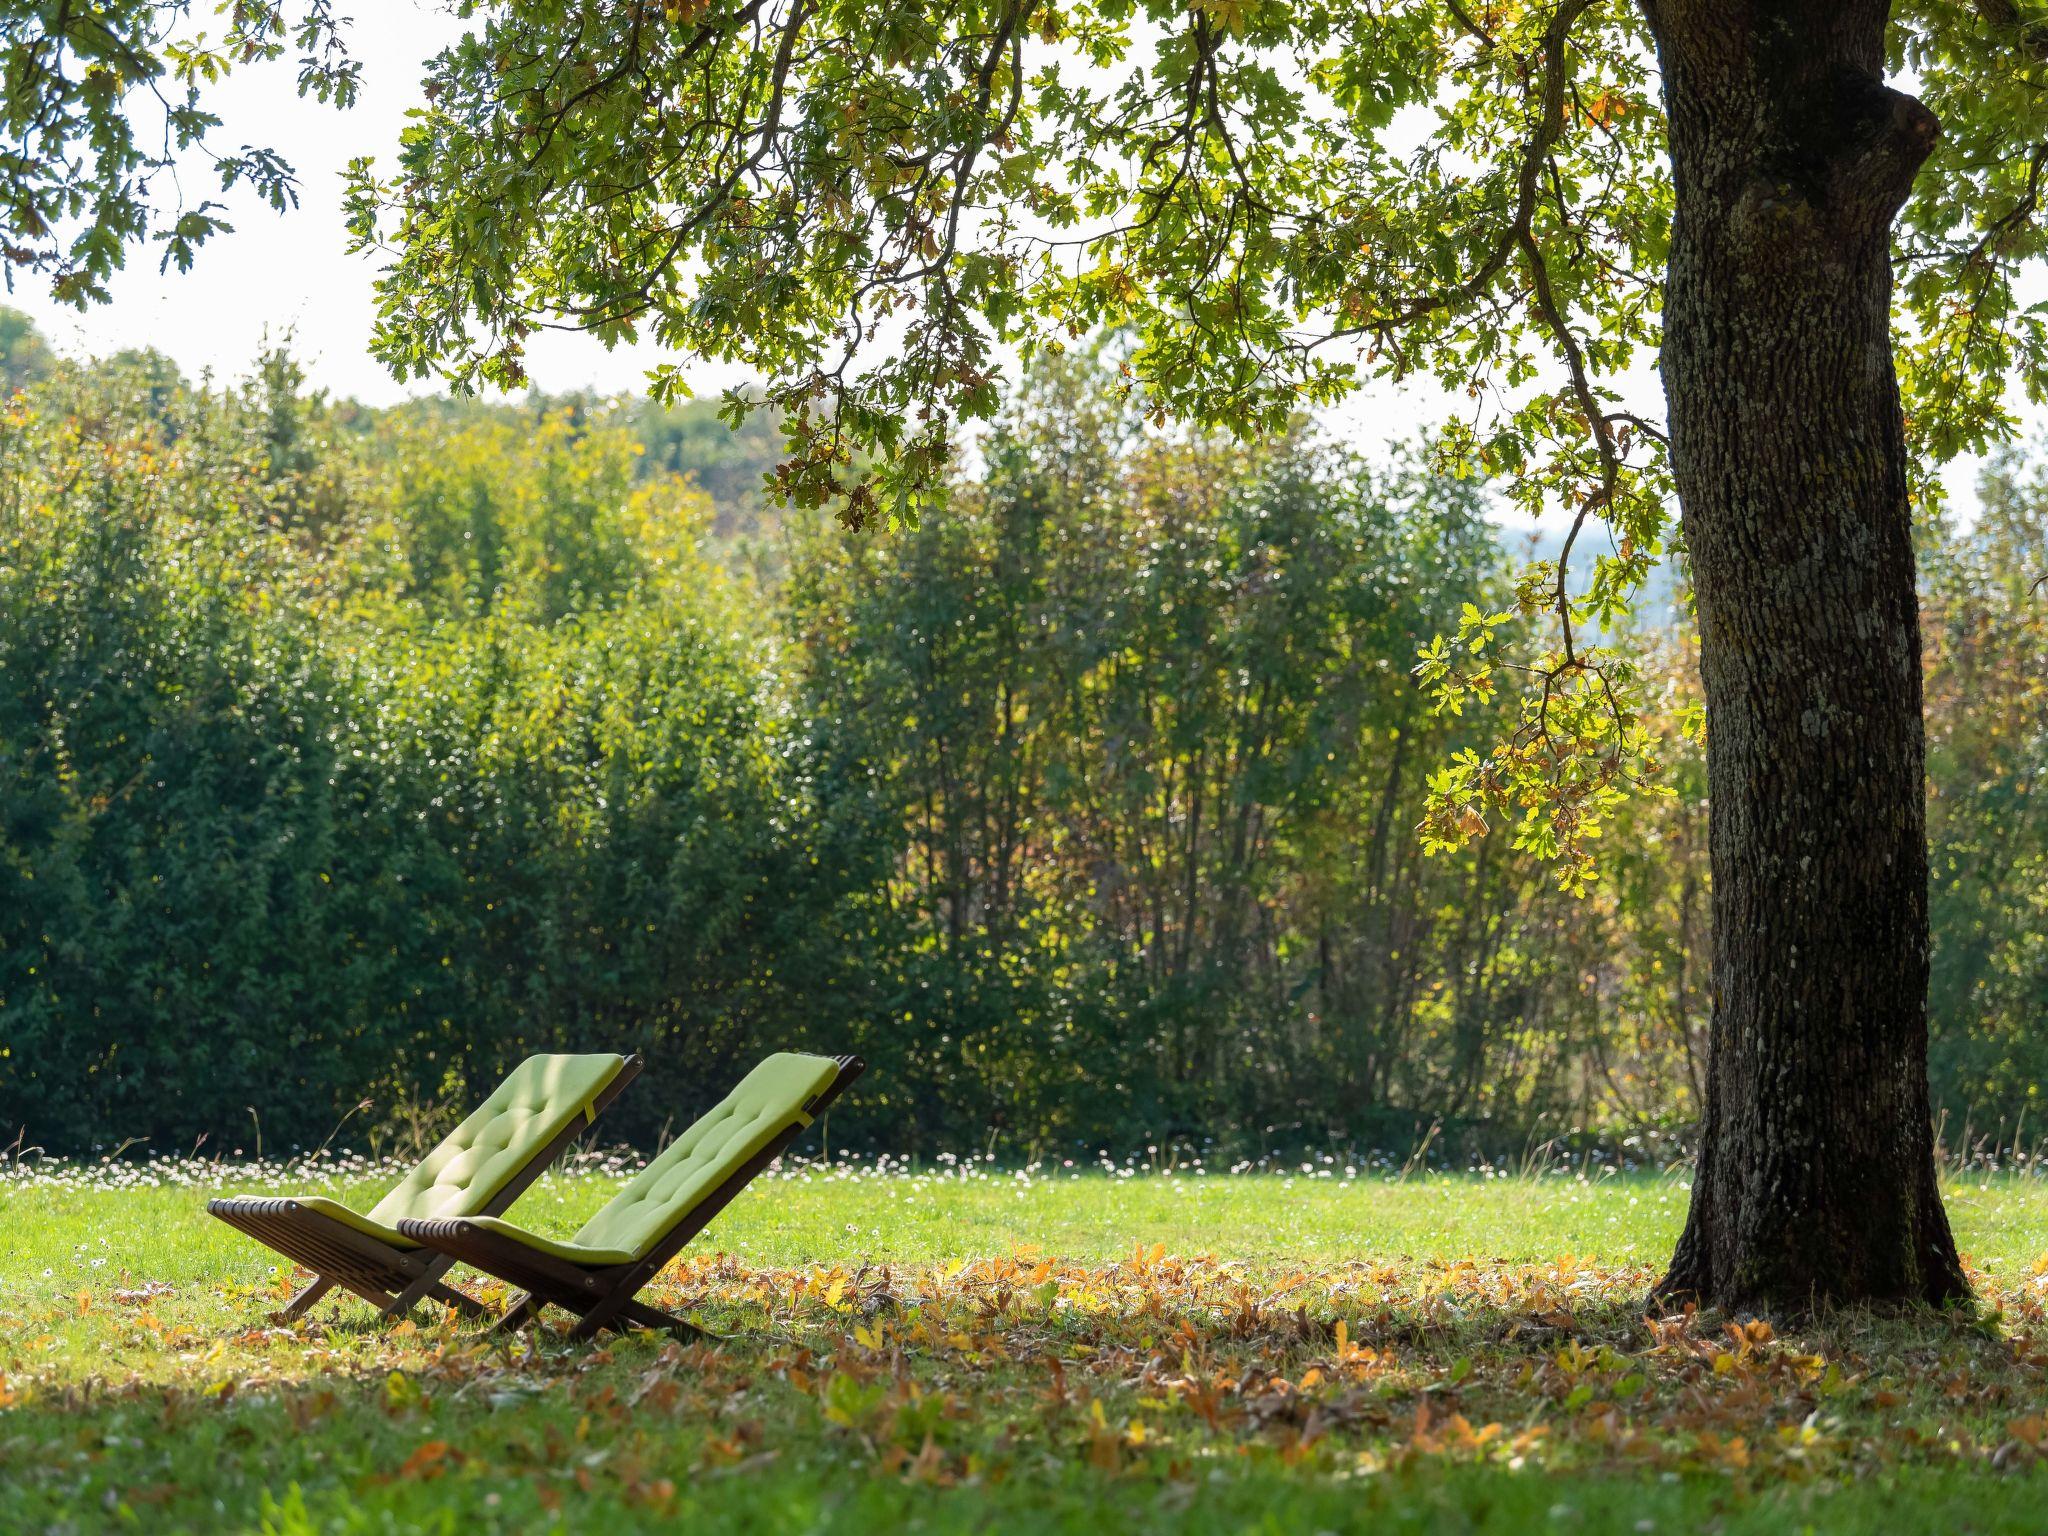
pixel 479 1170
pixel 599 1272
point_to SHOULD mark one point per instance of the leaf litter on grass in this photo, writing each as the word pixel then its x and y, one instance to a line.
pixel 1157 1364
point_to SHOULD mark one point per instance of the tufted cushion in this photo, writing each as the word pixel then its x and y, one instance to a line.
pixel 528 1110
pixel 768 1100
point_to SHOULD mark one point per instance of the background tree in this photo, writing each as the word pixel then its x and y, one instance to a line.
pixel 24 355
pixel 347 753
pixel 867 203
pixel 1987 718
pixel 1141 711
pixel 353 752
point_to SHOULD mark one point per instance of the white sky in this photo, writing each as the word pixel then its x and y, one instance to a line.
pixel 275 273
pixel 291 272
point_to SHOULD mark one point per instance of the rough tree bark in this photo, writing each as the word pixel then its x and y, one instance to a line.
pixel 1791 158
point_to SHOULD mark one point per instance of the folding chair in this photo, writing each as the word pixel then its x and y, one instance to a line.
pixel 482 1166
pixel 598 1272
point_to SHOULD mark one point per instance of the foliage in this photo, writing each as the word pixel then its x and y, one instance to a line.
pixel 995 1352
pixel 1986 632
pixel 1974 231
pixel 277 835
pixel 24 355
pixel 1141 710
pixel 102 103
pixel 730 464
pixel 346 754
pixel 870 207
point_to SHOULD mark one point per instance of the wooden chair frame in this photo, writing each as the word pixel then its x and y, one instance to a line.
pixel 605 1296
pixel 393 1280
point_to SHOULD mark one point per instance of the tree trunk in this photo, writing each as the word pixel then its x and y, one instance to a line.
pixel 1790 159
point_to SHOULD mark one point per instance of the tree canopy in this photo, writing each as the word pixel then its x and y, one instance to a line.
pixel 869 205
pixel 863 203
pixel 874 208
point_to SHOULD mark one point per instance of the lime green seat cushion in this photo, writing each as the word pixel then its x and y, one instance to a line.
pixel 767 1101
pixel 349 1218
pixel 542 1096
pixel 574 1252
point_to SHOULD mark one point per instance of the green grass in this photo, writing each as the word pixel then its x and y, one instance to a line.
pixel 1083 1216
pixel 988 1353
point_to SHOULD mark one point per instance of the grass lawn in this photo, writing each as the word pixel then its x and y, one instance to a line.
pixel 970 1351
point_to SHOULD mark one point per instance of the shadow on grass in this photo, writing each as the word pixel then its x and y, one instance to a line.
pixel 1030 1394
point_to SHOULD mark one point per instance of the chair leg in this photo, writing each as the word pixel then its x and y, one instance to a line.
pixel 641 1315
pixel 599 1316
pixel 297 1307
pixel 429 1284
pixel 412 1295
pixel 468 1306
pixel 381 1300
pixel 620 1310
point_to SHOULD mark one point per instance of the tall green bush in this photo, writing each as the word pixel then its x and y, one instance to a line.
pixel 280 833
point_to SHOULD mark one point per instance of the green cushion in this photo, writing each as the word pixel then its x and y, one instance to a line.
pixel 530 1108
pixel 574 1252
pixel 349 1218
pixel 768 1101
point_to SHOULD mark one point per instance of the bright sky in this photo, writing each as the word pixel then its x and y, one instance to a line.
pixel 275 273
pixel 292 272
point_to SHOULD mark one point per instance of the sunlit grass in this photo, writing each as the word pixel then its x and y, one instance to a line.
pixel 851 1211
